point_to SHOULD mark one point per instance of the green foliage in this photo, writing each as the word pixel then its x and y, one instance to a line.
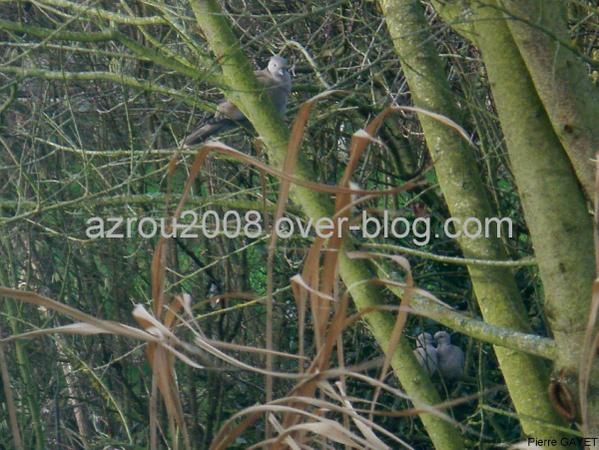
pixel 94 99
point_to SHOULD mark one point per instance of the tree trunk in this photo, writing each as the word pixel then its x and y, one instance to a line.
pixel 571 102
pixel 554 205
pixel 466 196
pixel 355 273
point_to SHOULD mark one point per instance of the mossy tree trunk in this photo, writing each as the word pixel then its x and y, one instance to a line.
pixel 554 205
pixel 355 273
pixel 539 29
pixel 458 174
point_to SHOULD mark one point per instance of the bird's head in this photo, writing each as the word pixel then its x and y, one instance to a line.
pixel 278 66
pixel 442 337
pixel 424 339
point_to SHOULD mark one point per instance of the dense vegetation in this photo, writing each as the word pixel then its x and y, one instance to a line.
pixel 479 109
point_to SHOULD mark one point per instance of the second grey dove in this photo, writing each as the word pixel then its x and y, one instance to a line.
pixel 450 357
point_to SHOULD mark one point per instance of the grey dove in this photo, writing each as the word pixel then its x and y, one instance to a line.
pixel 276 81
pixel 426 353
pixel 450 357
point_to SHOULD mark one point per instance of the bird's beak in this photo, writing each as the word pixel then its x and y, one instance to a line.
pixel 282 72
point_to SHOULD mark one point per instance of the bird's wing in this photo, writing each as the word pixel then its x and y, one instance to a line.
pixel 226 116
pixel 277 89
pixel 228 110
pixel 265 78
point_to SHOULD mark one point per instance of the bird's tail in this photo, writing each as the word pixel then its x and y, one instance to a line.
pixel 206 130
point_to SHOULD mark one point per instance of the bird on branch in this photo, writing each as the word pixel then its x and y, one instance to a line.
pixel 450 357
pixel 276 82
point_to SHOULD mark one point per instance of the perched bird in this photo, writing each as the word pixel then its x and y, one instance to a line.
pixel 426 353
pixel 277 84
pixel 450 357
